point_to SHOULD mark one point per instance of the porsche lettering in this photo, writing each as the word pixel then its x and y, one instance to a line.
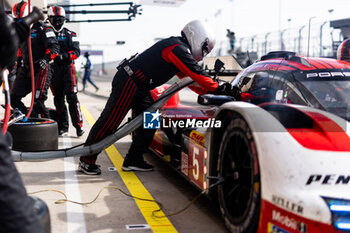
pixel 328 74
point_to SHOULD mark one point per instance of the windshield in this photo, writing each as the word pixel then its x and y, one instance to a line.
pixel 327 89
pixel 331 89
pixel 333 95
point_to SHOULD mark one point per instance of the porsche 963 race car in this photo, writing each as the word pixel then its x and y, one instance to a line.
pixel 279 151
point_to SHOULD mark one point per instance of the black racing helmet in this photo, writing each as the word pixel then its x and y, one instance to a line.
pixel 260 81
pixel 56 17
pixel 20 10
pixel 343 51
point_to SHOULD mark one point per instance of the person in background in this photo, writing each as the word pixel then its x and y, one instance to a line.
pixel 44 49
pixel 137 76
pixel 64 81
pixel 87 72
pixel 232 40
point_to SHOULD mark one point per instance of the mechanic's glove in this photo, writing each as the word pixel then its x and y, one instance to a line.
pixel 43 63
pixel 223 89
pixel 236 93
pixel 62 57
pixel 19 62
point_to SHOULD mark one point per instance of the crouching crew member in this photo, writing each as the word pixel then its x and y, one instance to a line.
pixel 44 49
pixel 64 80
pixel 135 78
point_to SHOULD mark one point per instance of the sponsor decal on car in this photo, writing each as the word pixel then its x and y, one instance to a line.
pixel 271 228
pixel 197 137
pixel 184 163
pixel 289 205
pixel 329 179
pixel 288 222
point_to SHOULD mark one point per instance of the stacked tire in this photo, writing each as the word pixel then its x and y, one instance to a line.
pixel 36 134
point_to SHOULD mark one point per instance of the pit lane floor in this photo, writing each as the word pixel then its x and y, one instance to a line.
pixel 113 211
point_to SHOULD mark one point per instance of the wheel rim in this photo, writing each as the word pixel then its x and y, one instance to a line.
pixel 237 169
pixel 35 121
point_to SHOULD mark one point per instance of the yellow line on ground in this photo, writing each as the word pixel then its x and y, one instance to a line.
pixel 136 188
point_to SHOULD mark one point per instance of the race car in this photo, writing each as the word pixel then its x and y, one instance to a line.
pixel 276 155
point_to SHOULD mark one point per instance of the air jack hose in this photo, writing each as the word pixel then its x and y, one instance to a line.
pixel 109 140
pixel 7 101
pixel 31 66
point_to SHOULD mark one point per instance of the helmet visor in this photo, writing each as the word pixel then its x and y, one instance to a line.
pixel 57 21
pixel 205 48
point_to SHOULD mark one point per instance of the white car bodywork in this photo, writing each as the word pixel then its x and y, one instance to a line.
pixel 293 177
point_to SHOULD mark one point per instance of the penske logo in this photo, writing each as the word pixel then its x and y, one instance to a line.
pixel 328 179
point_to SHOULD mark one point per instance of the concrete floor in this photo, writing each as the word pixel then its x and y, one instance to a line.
pixel 113 211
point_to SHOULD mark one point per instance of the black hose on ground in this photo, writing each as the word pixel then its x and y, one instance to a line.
pixel 109 140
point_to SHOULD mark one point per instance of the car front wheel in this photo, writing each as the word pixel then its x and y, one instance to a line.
pixel 239 194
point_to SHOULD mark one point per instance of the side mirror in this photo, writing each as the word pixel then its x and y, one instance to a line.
pixel 217 100
pixel 218 65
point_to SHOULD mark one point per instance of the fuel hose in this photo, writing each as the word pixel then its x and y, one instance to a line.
pixel 6 89
pixel 109 140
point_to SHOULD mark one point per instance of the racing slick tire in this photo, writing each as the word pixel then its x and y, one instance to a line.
pixel 36 134
pixel 239 194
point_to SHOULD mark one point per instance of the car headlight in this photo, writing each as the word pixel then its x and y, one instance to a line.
pixel 340 209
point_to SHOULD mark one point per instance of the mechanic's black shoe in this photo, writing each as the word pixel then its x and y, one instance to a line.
pixel 63 132
pixel 80 132
pixel 136 165
pixel 89 169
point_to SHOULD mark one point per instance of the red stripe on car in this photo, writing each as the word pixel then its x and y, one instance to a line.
pixel 324 135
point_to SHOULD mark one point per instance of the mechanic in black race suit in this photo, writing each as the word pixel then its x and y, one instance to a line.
pixel 44 49
pixel 135 78
pixel 64 80
pixel 16 207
